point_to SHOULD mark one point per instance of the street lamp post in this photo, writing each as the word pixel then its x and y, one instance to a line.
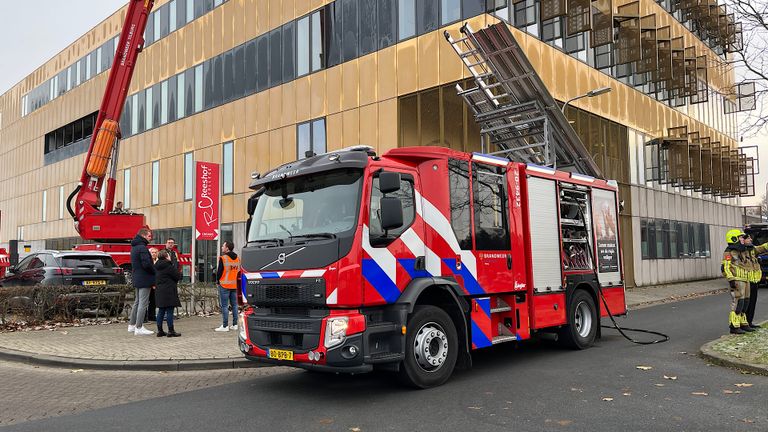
pixel 589 94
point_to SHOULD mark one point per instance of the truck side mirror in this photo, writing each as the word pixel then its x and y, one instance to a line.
pixel 391 213
pixel 389 182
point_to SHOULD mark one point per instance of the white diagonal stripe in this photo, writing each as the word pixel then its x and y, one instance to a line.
pixel 312 273
pixel 382 256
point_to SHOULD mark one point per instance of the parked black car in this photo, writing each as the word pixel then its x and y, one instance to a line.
pixel 759 234
pixel 69 268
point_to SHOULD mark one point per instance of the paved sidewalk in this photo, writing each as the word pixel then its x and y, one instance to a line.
pixel 112 347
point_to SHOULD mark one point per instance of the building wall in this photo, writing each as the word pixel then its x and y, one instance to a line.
pixel 359 100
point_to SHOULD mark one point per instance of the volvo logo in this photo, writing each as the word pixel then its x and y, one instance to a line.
pixel 282 256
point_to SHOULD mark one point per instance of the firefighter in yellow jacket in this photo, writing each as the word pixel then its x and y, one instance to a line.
pixel 741 267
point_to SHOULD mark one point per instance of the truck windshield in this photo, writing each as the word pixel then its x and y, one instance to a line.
pixel 314 206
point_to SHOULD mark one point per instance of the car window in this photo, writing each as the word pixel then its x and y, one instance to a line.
pixel 35 263
pixel 24 263
pixel 87 261
pixel 49 260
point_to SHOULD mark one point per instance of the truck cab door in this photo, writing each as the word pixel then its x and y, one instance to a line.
pixel 392 258
pixel 491 227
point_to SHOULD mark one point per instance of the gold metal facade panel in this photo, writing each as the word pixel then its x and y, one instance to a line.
pixel 368 73
pixel 350 74
pixel 428 59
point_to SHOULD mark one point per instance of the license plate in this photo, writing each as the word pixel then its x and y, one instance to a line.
pixel 280 354
pixel 95 282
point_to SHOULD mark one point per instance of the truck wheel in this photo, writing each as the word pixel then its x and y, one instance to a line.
pixel 431 348
pixel 582 321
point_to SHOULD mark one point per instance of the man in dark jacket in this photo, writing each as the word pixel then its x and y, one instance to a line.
pixel 143 275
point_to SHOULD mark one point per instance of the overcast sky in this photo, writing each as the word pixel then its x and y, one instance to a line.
pixel 33 31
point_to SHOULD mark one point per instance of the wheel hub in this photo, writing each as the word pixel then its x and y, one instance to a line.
pixel 430 347
pixel 583 319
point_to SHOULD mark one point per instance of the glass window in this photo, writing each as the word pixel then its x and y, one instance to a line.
pixel 490 202
pixel 318 136
pixel 181 12
pixel 61 202
pixel 318 60
pixel 200 8
pixel 98 61
pixel 303 140
pixel 239 73
pixel 251 66
pixel 262 75
pixel 78 131
pixel 190 10
pixel 127 188
pixel 228 77
pixel 156 102
pixel 172 98
pixel 148 103
pixel 156 25
pixel 406 196
pixel 275 58
pixel 87 67
pixel 45 204
pixel 180 96
pixel 217 81
pixel 149 32
pixel 172 17
pixel 228 167
pixel 164 102
pixel 189 176
pixel 350 28
pixel 458 182
pixel 155 182
pixel 289 61
pixel 450 11
pixel 302 47
pixel 134 114
pixel 427 15
pixel 333 34
pixel 69 78
pixel 406 19
pixel 368 34
pixel 472 8
pixel 142 104
pixel 198 88
pixel 109 54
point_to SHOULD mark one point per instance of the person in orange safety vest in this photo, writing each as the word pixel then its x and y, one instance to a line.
pixel 226 275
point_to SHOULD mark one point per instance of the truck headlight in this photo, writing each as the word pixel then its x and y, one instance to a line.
pixel 335 331
pixel 241 326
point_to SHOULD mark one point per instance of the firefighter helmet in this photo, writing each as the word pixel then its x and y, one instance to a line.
pixel 733 235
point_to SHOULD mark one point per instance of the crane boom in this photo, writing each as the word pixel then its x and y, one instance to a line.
pixel 94 219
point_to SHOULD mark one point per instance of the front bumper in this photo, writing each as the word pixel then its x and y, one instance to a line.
pixel 360 352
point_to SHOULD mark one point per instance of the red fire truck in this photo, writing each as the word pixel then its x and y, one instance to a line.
pixel 410 261
pixel 95 220
pixel 4 262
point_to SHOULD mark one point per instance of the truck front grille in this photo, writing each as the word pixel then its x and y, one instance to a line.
pixel 286 292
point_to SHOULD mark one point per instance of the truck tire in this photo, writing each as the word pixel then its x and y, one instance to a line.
pixel 431 348
pixel 582 325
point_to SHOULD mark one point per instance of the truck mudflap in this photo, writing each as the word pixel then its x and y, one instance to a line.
pixel 364 346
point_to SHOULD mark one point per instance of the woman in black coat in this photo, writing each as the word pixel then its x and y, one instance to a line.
pixel 167 277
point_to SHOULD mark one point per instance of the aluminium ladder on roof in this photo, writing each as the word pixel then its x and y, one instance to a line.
pixel 518 117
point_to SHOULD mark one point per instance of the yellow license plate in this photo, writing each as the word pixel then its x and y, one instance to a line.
pixel 280 354
pixel 95 282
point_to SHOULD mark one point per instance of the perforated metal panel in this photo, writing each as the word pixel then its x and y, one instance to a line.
pixel 545 251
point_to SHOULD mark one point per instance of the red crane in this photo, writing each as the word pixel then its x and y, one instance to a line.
pixel 94 220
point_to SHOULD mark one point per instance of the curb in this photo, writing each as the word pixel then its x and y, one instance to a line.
pixel 715 357
pixel 691 296
pixel 132 365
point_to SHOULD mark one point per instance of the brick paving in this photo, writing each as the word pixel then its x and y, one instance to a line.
pixel 113 342
pixel 33 392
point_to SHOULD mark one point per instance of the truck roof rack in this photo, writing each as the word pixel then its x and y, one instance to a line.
pixel 518 117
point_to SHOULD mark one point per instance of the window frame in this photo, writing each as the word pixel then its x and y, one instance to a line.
pixel 385 240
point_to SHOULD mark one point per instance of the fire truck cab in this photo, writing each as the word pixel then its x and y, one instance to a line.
pixel 410 261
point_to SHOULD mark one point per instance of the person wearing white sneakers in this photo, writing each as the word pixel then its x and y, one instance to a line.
pixel 143 275
pixel 226 273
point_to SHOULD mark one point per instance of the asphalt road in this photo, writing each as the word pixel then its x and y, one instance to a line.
pixel 534 387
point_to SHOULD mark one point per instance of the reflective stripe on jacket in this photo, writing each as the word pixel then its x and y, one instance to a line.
pixel 740 263
pixel 228 279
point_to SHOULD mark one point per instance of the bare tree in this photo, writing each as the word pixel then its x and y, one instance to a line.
pixel 752 60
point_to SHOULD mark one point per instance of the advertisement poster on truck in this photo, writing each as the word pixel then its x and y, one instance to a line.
pixel 207 201
pixel 605 226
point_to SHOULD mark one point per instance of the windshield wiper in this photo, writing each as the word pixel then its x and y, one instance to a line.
pixel 315 235
pixel 276 241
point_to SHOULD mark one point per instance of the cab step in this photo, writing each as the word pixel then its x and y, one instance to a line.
pixel 386 357
pixel 501 309
pixel 502 339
